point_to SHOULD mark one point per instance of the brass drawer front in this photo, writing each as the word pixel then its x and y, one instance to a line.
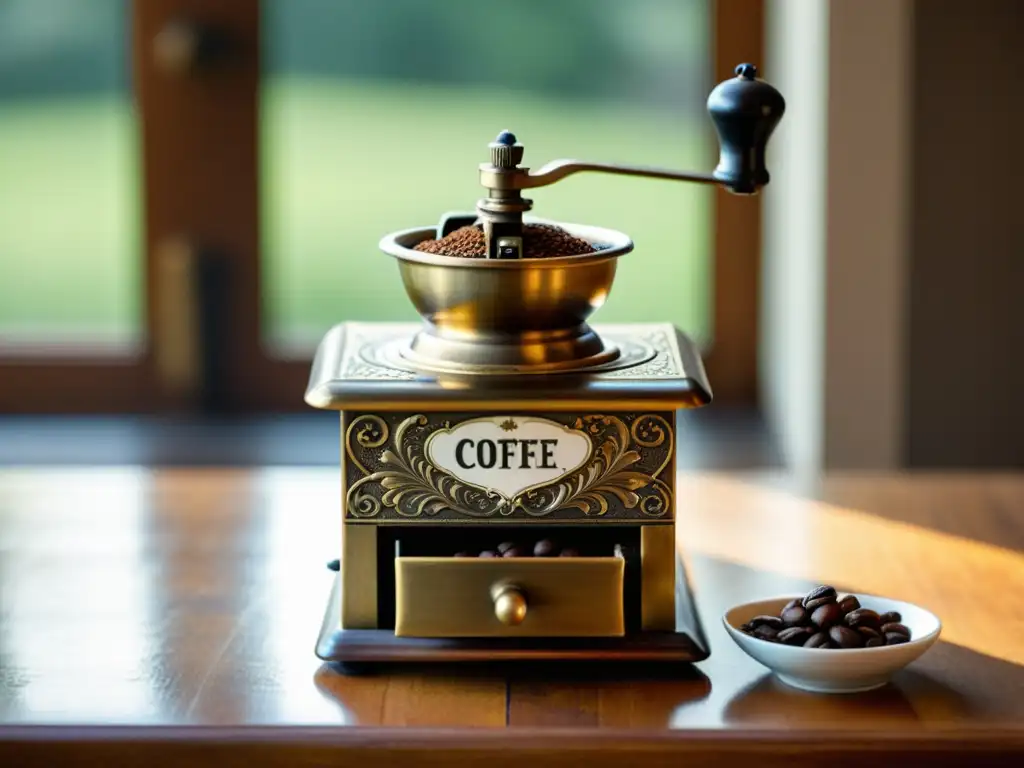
pixel 457 597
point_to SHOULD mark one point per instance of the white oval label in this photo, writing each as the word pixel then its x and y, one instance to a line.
pixel 508 454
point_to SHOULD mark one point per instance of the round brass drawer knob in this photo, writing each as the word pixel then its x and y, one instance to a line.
pixel 509 604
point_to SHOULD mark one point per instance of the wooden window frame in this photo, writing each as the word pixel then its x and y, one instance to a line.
pixel 200 159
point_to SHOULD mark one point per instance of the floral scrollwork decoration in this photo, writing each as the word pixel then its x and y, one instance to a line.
pixel 368 431
pixel 413 487
pixel 651 431
pixel 611 473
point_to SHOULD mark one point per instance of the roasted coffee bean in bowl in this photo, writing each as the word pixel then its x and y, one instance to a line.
pixel 830 642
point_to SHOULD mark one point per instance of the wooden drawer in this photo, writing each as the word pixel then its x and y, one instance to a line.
pixel 464 597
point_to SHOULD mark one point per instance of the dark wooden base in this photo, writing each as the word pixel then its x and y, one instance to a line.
pixel 358 651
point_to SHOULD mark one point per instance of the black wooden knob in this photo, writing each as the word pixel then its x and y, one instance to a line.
pixel 745 111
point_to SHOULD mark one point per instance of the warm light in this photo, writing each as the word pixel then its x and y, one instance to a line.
pixel 300 513
pixel 774 531
pixel 97 671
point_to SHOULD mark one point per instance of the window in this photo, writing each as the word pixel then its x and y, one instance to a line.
pixel 204 234
pixel 70 272
pixel 357 94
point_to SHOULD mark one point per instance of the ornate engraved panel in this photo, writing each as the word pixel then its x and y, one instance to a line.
pixel 389 476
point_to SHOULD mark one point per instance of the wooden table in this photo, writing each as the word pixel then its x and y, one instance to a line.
pixel 169 617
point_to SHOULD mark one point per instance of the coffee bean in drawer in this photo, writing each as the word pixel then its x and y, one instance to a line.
pixel 540 548
pixel 545 548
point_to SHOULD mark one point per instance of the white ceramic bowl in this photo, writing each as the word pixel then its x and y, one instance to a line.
pixel 847 670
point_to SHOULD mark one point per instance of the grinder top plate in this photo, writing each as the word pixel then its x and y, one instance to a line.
pixel 363 365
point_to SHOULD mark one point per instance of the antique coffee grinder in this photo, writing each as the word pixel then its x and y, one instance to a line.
pixel 508 470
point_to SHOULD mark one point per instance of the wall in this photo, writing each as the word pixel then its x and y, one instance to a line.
pixel 866 254
pixel 794 230
pixel 835 232
pixel 894 252
pixel 965 393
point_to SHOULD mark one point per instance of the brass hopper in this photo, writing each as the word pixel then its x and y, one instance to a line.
pixel 506 417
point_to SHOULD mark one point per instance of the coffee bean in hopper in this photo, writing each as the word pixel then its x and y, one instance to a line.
pixel 516 552
pixel 505 546
pixel 488 553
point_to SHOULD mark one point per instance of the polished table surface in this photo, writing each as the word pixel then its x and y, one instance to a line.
pixel 169 616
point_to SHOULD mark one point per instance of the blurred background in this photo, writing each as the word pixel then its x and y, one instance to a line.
pixel 191 195
pixel 352 93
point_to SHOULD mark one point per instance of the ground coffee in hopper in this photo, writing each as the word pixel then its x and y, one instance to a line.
pixel 539 241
